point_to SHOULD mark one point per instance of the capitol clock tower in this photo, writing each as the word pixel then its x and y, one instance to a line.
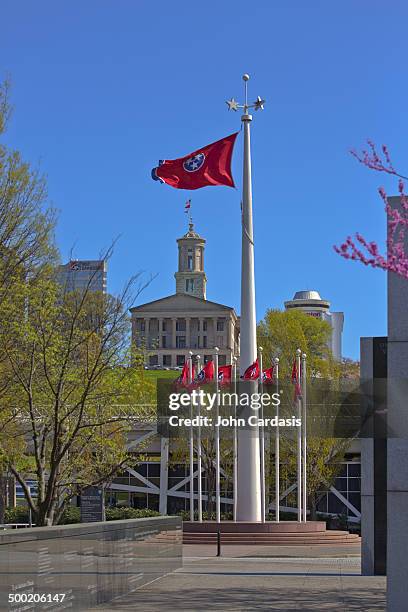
pixel 190 277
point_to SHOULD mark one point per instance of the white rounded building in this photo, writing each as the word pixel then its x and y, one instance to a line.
pixel 311 303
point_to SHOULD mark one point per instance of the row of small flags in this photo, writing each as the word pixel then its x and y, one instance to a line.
pixel 224 374
pixel 206 375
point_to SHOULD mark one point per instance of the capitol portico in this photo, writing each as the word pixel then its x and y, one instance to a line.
pixel 170 327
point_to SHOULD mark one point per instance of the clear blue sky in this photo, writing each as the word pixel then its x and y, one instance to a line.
pixel 102 89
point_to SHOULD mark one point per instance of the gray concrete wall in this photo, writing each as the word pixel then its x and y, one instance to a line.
pixel 90 563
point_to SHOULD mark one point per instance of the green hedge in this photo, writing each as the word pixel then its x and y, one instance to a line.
pixel 118 514
pixel 72 514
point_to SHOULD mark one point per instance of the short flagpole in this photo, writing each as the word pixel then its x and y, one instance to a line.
pixel 191 441
pixel 217 443
pixel 262 441
pixel 277 450
pixel 235 445
pixel 199 458
pixel 299 439
pixel 304 442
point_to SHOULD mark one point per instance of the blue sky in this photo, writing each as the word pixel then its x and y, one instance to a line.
pixel 102 89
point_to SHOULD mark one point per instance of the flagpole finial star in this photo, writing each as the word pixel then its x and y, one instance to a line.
pixel 232 104
pixel 259 104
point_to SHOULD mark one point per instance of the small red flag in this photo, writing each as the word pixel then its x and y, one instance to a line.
pixel 267 376
pixel 182 380
pixel 206 374
pixel 252 373
pixel 296 381
pixel 210 165
pixel 224 374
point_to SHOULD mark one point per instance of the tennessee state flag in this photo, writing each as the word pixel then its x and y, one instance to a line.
pixel 210 165
pixel 251 373
pixel 267 376
pixel 224 374
pixel 206 374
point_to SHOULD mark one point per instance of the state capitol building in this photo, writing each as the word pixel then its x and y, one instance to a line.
pixel 168 328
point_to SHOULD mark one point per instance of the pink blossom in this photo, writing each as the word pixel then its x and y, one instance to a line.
pixel 396 258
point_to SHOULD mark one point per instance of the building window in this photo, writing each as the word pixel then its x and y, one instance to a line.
pixel 180 360
pixel 167 360
pixel 153 360
pixel 142 327
pixel 220 325
pixel 204 325
pixel 164 342
pixel 181 325
pixel 222 360
pixel 164 328
pixel 204 341
pixel 180 342
pixel 189 285
pixel 190 259
pixel 207 358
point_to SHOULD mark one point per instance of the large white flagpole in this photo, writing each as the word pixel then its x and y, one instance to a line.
pixel 277 450
pixel 191 441
pixel 304 439
pixel 262 442
pixel 217 443
pixel 199 458
pixel 248 491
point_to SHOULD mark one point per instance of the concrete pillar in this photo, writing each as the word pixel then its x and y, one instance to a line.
pixel 397 464
pixel 373 368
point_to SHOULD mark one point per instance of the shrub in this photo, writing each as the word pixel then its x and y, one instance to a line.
pixel 19 514
pixel 118 514
pixel 70 516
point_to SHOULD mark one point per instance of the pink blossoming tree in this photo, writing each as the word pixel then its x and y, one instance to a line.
pixel 368 253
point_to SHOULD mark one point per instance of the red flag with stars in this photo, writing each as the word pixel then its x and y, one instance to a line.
pixel 252 372
pixel 210 165
pixel 224 374
pixel 267 376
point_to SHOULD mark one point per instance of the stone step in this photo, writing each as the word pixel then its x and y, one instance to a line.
pixel 324 537
pixel 299 542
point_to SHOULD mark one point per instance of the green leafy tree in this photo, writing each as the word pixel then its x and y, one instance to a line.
pixel 281 334
pixel 74 394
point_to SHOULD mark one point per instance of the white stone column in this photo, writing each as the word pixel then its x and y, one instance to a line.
pixel 215 319
pixel 173 335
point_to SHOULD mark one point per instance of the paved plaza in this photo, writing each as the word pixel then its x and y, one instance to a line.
pixel 262 578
